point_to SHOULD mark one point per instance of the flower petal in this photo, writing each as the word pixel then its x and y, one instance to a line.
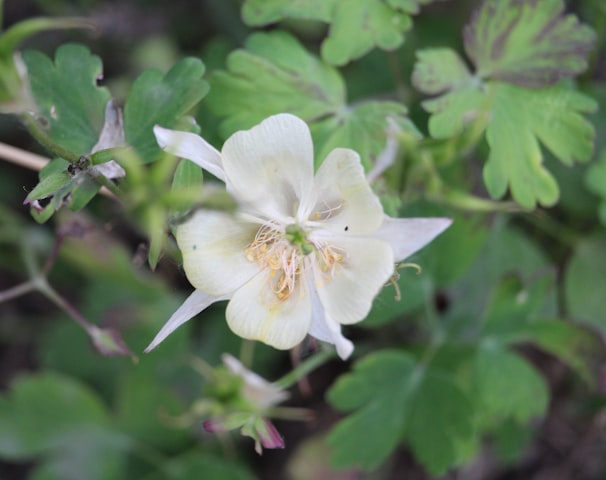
pixel 193 305
pixel 407 235
pixel 191 146
pixel 214 245
pixel 347 296
pixel 256 313
pixel 270 166
pixel 343 200
pixel 325 329
pixel 258 391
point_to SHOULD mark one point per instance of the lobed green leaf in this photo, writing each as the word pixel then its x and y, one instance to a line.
pixel 71 106
pixel 360 25
pixel 438 70
pixel 585 274
pixel 162 99
pixel 395 399
pixel 527 43
pixel 356 26
pixel 274 74
pixel 257 13
pixel 507 386
pixel 44 412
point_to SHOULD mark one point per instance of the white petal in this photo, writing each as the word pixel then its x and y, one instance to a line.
pixel 256 313
pixel 270 166
pixel 347 296
pixel 213 245
pixel 193 305
pixel 326 329
pixel 191 146
pixel 257 390
pixel 343 200
pixel 407 235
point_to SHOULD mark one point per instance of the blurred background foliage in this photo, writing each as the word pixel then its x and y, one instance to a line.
pixel 512 301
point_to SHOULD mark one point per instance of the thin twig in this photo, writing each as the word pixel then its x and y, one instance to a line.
pixel 32 161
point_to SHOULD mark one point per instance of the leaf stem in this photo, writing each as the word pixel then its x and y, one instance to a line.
pixel 17 291
pixel 304 368
pixel 32 161
pixel 43 138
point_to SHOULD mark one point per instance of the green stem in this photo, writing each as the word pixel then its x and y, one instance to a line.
pixel 43 138
pixel 109 185
pixel 247 352
pixel 304 368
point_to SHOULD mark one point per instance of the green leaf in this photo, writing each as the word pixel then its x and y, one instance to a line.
pixel 394 399
pixel 44 412
pixel 187 183
pixel 161 99
pixel 513 306
pixel 360 25
pixel 17 33
pixel 194 465
pixel 570 343
pixel 506 386
pixel 257 13
pixel 363 128
pixel 439 70
pixel 49 185
pixel 527 43
pixel 356 26
pixel 595 179
pixel 507 252
pixel 517 120
pixel 274 74
pixel 585 273
pixel 70 104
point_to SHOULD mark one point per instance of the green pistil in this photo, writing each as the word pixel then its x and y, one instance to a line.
pixel 296 236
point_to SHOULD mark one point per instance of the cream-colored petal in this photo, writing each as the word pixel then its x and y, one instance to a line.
pixel 343 200
pixel 348 293
pixel 213 245
pixel 327 330
pixel 270 166
pixel 193 305
pixel 191 146
pixel 407 235
pixel 256 313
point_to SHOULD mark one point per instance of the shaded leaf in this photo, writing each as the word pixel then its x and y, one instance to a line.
pixel 507 386
pixel 44 412
pixel 595 179
pixel 70 104
pixel 162 99
pixel 194 465
pixel 585 273
pixel 395 399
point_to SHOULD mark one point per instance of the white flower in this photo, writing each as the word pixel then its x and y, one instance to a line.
pixel 305 253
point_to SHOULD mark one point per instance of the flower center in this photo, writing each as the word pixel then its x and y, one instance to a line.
pixel 285 253
pixel 282 253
